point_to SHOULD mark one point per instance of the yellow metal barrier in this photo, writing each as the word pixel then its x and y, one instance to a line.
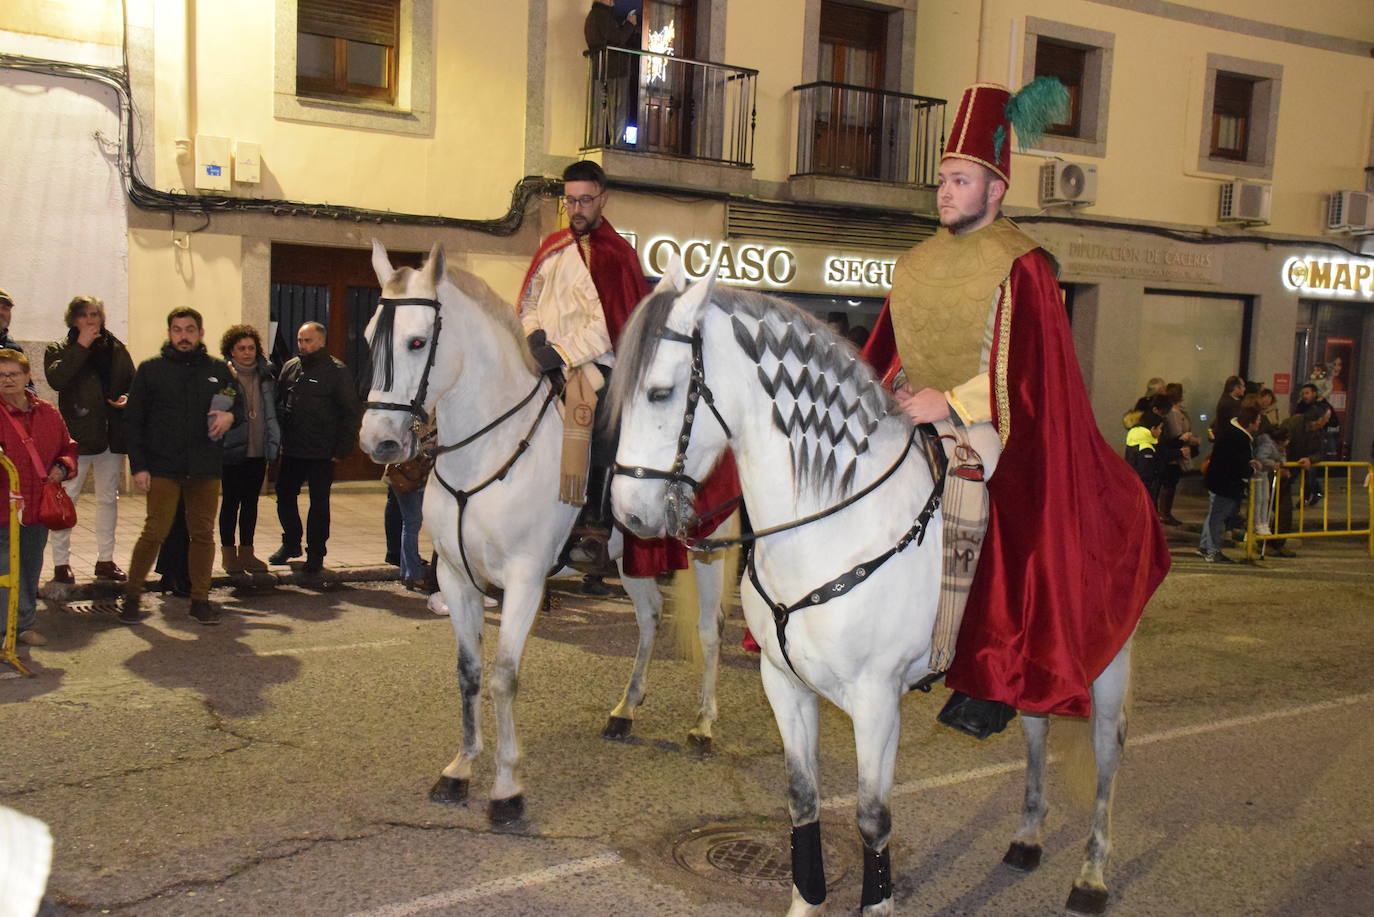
pixel 10 580
pixel 1359 476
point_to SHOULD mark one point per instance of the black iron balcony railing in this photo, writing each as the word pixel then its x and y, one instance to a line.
pixel 654 103
pixel 855 132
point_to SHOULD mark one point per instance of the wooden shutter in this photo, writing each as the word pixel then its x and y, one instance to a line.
pixel 372 21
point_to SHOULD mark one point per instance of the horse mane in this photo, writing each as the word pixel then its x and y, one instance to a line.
pixel 500 311
pixel 826 400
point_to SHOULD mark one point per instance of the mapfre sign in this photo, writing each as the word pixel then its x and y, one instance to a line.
pixel 1344 278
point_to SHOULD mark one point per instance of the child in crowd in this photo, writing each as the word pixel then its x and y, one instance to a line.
pixel 1141 454
pixel 1269 452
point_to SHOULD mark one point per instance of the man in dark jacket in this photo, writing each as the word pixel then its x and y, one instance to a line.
pixel 91 371
pixel 181 404
pixel 319 414
pixel 1228 474
pixel 6 312
pixel 611 70
pixel 1306 446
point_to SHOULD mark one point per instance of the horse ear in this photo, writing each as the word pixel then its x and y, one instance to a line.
pixel 690 306
pixel 381 263
pixel 674 275
pixel 436 265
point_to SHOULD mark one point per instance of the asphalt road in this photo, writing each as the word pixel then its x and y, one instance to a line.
pixel 279 764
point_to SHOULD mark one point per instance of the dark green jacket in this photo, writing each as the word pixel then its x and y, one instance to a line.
pixel 84 402
pixel 166 419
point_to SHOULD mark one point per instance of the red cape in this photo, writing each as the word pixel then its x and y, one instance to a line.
pixel 620 285
pixel 1073 549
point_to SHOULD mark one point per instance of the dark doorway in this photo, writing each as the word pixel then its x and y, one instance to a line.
pixel 853 43
pixel 668 90
pixel 337 288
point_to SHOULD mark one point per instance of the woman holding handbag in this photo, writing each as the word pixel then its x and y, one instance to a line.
pixel 36 440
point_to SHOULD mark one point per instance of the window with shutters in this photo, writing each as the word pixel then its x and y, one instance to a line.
pixel 1240 113
pixel 1081 59
pixel 347 48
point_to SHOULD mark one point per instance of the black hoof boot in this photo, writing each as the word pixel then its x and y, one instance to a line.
pixel 702 745
pixel 1087 900
pixel 617 727
pixel 1022 857
pixel 506 811
pixel 449 791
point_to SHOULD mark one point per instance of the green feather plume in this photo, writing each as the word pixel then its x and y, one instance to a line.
pixel 1040 103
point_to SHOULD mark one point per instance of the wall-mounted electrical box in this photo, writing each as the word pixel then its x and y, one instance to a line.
pixel 247 162
pixel 212 163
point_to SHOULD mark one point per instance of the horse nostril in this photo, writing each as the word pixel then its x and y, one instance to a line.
pixel 388 447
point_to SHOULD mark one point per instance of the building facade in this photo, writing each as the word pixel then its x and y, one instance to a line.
pixel 240 159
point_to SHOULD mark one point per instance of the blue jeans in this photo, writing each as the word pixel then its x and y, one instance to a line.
pixel 1214 529
pixel 33 541
pixel 408 511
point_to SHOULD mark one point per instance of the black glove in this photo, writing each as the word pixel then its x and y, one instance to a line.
pixel 543 352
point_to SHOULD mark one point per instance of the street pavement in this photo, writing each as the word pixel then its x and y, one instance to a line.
pixel 279 764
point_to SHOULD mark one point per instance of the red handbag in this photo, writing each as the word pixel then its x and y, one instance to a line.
pixel 55 509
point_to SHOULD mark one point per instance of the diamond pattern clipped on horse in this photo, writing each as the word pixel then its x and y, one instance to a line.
pixel 821 400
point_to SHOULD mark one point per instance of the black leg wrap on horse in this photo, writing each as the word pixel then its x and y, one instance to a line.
pixel 808 867
pixel 877 877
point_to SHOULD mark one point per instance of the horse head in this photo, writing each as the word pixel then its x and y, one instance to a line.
pixel 657 392
pixel 402 339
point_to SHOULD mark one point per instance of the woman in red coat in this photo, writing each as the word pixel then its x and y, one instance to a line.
pixel 27 417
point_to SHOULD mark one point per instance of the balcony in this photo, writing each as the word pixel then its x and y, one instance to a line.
pixel 852 132
pixel 642 102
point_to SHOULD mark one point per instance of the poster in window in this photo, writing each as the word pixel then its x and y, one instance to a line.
pixel 1338 364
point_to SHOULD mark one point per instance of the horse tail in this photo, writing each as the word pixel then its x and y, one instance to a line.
pixel 1079 754
pixel 686 598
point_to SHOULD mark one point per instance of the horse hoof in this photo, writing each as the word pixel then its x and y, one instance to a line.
pixel 1087 900
pixel 1023 857
pixel 449 791
pixel 702 745
pixel 617 727
pixel 506 811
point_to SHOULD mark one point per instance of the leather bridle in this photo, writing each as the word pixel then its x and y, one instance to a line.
pixel 416 407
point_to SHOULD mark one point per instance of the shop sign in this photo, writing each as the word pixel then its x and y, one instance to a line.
pixel 772 267
pixel 1170 263
pixel 1312 275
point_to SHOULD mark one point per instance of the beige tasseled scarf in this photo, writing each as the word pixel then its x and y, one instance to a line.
pixel 579 400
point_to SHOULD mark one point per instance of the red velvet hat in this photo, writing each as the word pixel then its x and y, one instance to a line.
pixel 988 111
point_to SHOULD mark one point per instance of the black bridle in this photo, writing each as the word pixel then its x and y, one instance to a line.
pixel 416 407
pixel 698 390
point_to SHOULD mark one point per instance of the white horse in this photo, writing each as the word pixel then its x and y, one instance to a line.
pixel 442 341
pixel 812 430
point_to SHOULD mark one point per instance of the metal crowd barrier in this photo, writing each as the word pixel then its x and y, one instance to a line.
pixel 10 580
pixel 1359 477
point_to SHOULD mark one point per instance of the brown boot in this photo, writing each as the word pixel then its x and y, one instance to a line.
pixel 250 561
pixel 230 559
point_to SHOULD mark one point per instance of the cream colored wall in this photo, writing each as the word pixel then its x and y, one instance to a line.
pixel 220 82
pixel 1155 108
pixel 204 275
pixel 95 21
pixel 1346 18
pixel 770 38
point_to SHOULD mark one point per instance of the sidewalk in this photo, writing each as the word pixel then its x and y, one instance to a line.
pixel 357 542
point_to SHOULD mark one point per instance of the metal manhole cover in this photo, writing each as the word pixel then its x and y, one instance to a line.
pixel 749 856
pixel 97 607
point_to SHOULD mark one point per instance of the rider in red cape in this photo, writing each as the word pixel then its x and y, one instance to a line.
pixel 1072 551
pixel 619 286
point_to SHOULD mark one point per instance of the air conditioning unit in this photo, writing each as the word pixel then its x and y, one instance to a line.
pixel 1244 202
pixel 1350 211
pixel 1067 183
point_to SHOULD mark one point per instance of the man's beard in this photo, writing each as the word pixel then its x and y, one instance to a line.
pixel 968 221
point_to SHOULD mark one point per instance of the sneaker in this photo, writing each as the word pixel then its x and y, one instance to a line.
pixel 283 554
pixel 32 638
pixel 1262 530
pixel 109 570
pixel 129 612
pixel 62 573
pixel 204 612
pixel 1218 558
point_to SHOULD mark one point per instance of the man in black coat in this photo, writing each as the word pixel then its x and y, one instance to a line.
pixel 1228 474
pixel 319 412
pixel 181 404
pixel 611 70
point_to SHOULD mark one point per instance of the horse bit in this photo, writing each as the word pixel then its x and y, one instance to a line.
pixel 682 487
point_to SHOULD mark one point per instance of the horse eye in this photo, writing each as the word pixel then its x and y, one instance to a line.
pixel 660 394
pixel 417 343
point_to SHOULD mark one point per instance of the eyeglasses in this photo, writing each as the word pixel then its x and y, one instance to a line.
pixel 585 200
pixel 18 375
